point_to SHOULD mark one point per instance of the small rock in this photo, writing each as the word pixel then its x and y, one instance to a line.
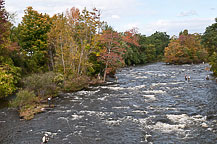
pixel 97 139
pixel 204 125
pixel 209 129
pixel 147 138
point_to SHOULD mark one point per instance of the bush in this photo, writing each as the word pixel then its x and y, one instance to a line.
pixel 24 98
pixel 9 77
pixel 43 85
pixel 75 84
pixel 213 63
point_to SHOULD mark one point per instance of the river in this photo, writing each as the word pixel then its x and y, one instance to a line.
pixel 147 104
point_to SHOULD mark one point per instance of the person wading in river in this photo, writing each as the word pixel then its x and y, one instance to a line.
pixel 186 77
pixel 189 78
pixel 45 139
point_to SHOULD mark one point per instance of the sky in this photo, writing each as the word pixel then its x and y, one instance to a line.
pixel 149 16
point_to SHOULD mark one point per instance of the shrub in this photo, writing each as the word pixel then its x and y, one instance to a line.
pixel 75 84
pixel 213 63
pixel 43 85
pixel 24 98
pixel 9 77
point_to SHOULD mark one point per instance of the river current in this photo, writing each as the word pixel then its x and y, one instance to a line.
pixel 151 104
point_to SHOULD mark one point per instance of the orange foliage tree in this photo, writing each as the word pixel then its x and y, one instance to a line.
pixel 185 49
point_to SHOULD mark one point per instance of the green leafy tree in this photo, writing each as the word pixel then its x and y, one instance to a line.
pixel 209 40
pixel 32 37
pixel 213 63
pixel 160 40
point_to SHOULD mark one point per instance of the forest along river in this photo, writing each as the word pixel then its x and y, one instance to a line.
pixel 148 104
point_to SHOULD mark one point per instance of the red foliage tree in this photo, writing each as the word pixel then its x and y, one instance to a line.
pixel 130 37
pixel 112 52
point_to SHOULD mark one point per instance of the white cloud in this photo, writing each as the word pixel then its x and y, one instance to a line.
pixel 110 9
pixel 187 13
pixel 122 14
pixel 173 27
pixel 115 16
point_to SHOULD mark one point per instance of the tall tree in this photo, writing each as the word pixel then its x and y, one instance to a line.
pixel 74 38
pixel 160 40
pixel 9 74
pixel 209 40
pixel 112 52
pixel 32 37
pixel 186 49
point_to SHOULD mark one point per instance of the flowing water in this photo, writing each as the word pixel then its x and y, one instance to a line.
pixel 147 104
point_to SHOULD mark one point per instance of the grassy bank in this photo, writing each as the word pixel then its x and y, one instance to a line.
pixel 37 88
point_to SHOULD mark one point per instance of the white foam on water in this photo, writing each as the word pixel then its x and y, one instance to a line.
pixel 76 117
pixel 69 135
pixel 113 122
pixel 68 111
pixel 113 88
pixel 125 99
pixel 150 97
pixel 184 118
pixel 103 98
pixel 120 107
pixel 57 111
pixel 87 112
pixel 141 77
pixel 77 98
pixel 74 100
pixel 140 111
pixel 174 83
pixel 167 128
pixel 62 118
pixel 155 91
pixel 86 93
pixel 158 84
pixel 164 75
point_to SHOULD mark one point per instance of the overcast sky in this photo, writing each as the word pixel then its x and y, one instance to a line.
pixel 171 16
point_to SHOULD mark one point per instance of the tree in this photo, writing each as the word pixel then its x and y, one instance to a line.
pixel 112 52
pixel 130 40
pixel 209 40
pixel 73 37
pixel 186 49
pixel 32 37
pixel 160 40
pixel 213 63
pixel 9 74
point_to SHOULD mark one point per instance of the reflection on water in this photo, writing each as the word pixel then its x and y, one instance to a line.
pixel 148 104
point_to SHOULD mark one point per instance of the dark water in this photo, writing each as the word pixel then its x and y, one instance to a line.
pixel 148 104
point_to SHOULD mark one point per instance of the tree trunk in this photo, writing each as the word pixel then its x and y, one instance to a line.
pixel 105 71
pixel 63 62
pixel 82 50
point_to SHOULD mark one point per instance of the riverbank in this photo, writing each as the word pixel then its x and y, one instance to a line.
pixel 36 104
